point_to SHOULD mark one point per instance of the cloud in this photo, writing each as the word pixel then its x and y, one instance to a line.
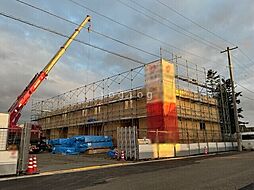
pixel 24 50
pixel 20 59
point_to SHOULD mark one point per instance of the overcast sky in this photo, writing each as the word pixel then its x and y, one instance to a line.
pixel 25 50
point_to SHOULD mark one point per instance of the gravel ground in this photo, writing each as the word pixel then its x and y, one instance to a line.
pixel 53 162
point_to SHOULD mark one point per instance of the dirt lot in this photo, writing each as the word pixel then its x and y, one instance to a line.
pixel 223 171
pixel 53 162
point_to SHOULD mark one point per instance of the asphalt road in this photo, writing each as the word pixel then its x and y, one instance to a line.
pixel 231 171
pixel 53 162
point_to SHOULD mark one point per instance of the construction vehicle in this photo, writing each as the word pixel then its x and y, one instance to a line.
pixel 16 108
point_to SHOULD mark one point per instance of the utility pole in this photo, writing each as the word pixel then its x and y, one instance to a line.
pixel 239 138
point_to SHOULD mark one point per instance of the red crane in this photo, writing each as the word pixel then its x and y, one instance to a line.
pixel 17 106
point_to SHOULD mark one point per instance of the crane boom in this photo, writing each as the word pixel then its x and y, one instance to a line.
pixel 22 100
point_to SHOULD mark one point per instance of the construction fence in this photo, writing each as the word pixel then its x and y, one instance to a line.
pixel 137 146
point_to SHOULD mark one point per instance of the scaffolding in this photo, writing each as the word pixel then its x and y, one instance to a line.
pixel 120 100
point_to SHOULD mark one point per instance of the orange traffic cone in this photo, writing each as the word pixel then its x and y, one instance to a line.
pixel 35 168
pixel 122 156
pixel 30 168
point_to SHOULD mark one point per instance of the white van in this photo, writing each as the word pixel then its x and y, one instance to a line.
pixel 248 140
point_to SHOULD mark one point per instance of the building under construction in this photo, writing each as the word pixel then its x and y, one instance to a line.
pixel 169 99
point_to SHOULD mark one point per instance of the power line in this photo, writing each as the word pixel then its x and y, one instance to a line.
pixel 193 22
pixel 246 97
pixel 65 36
pixel 216 47
pixel 201 71
pixel 82 42
pixel 92 30
pixel 251 61
pixel 171 28
pixel 139 32
pixel 98 33
pixel 204 28
pixel 245 88
pixel 242 65
pixel 124 25
pixel 245 66
pixel 149 36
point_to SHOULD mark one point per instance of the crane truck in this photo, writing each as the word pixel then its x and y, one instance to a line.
pixel 14 111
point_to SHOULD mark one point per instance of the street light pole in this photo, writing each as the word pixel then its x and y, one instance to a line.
pixel 239 138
